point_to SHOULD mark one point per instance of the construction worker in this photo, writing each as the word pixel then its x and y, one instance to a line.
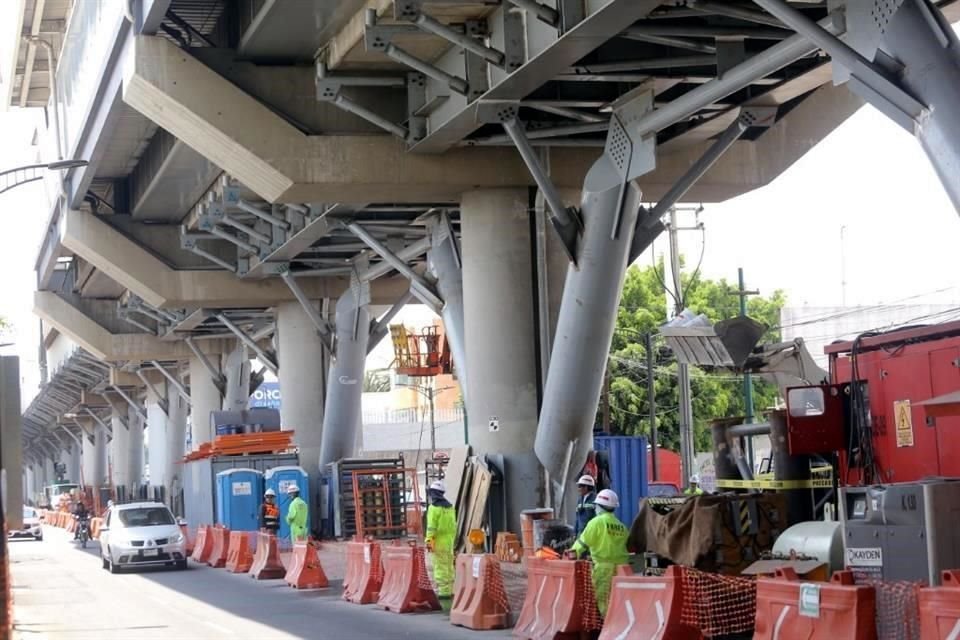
pixel 694 488
pixel 605 539
pixel 587 487
pixel 269 513
pixel 296 514
pixel 441 532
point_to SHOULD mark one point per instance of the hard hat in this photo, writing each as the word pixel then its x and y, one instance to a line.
pixel 586 481
pixel 293 489
pixel 437 485
pixel 270 492
pixel 695 478
pixel 608 499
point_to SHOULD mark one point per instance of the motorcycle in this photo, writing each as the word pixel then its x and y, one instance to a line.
pixel 83 530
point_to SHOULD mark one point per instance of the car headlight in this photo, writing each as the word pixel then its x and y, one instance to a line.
pixel 177 539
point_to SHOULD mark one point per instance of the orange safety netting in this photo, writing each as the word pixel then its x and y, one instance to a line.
pixel 718 605
pixel 592 620
pixel 898 609
pixel 493 578
pixel 423 576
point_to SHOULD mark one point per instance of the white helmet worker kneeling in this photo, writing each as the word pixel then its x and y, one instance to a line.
pixel 605 539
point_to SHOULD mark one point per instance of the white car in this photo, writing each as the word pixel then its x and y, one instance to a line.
pixel 31 525
pixel 141 534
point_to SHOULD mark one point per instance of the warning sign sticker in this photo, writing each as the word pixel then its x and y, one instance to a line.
pixel 901 409
pixel 242 488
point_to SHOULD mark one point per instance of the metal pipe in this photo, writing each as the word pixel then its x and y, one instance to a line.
pixel 182 390
pixel 543 13
pixel 382 326
pixel 455 83
pixel 590 143
pixel 203 253
pixel 773 59
pixel 70 433
pixel 544 183
pixel 645 65
pixel 573 114
pixel 318 273
pixel 437 28
pixel 312 312
pixel 250 342
pixel 373 118
pixel 139 324
pixel 146 381
pixel 263 215
pixel 250 231
pixel 749 430
pixel 424 290
pixel 99 420
pixel 229 237
pixel 685 31
pixel 676 43
pixel 323 73
pixel 408 253
pixel 205 361
pixel 733 11
pixel 550 132
pixel 699 168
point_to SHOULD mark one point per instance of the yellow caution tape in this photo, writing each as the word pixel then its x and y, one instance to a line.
pixel 818 483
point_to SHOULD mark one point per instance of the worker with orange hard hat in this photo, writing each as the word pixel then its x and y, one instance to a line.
pixel 605 539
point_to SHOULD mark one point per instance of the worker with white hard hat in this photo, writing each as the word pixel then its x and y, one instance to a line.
pixel 441 533
pixel 587 487
pixel 694 488
pixel 605 539
pixel 269 513
pixel 296 514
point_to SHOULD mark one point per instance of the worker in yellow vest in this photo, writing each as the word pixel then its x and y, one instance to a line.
pixel 694 488
pixel 441 533
pixel 605 539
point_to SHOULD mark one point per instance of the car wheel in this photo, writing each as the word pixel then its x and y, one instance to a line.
pixel 113 567
pixel 103 561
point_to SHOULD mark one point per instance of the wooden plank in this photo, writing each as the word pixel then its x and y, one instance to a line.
pixel 455 470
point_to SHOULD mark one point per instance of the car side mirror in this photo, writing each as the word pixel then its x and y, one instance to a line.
pixel 181 522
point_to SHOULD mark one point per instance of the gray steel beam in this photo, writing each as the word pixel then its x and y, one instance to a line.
pixel 381 327
pixel 542 12
pixel 437 28
pixel 408 253
pixel 454 83
pixel 161 398
pixel 250 342
pixel 243 228
pixel 182 390
pixel 254 210
pixel 229 237
pixel 733 11
pixel 322 326
pixel 98 420
pixel 203 253
pixel 676 43
pixel 376 119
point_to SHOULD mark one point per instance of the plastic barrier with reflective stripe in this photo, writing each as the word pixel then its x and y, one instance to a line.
pixel 642 607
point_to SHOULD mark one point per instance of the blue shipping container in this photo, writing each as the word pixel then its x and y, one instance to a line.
pixel 279 479
pixel 628 471
pixel 239 493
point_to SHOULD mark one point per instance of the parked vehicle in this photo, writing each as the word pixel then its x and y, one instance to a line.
pixel 32 525
pixel 141 534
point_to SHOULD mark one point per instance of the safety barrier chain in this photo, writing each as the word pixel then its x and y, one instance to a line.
pixel 718 605
pixel 898 609
pixel 592 621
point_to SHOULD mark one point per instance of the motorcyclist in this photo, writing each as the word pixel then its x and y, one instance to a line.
pixel 81 515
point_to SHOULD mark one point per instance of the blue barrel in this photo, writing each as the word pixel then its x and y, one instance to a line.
pixel 279 479
pixel 239 494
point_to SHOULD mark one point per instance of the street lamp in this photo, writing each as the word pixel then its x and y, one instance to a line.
pixel 12 178
pixel 430 393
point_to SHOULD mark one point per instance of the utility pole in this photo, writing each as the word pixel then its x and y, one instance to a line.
pixel 742 293
pixel 652 407
pixel 687 440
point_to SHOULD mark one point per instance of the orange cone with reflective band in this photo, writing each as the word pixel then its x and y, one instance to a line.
pixel 479 597
pixel 788 609
pixel 218 552
pixel 266 560
pixel 364 576
pixel 406 585
pixel 305 571
pixel 239 558
pixel 203 545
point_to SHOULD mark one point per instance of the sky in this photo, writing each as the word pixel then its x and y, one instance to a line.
pixel 868 178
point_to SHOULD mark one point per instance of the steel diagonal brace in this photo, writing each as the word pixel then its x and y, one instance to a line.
pixel 136 407
pixel 161 399
pixel 865 77
pixel 381 327
pixel 329 89
pixel 412 11
pixel 219 380
pixel 99 421
pixel 182 390
pixel 322 326
pixel 650 224
pixel 264 357
pixel 565 220
pixel 423 289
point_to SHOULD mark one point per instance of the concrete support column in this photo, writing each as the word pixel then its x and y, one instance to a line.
pixel 135 447
pixel 236 369
pixel 73 463
pixel 501 338
pixel 342 412
pixel 156 439
pixel 176 437
pixel 88 461
pixel 302 376
pixel 205 398
pixel 11 457
pixel 119 449
pixel 100 473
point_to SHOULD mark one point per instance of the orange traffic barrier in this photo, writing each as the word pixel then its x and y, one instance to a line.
pixel 219 548
pixel 940 609
pixel 203 545
pixel 406 585
pixel 266 560
pixel 479 597
pixel 364 574
pixel 239 558
pixel 95 524
pixel 305 571
pixel 71 525
pixel 186 538
pixel 787 608
pixel 643 607
pixel 550 582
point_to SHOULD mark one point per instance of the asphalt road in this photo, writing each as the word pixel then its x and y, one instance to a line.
pixel 61 591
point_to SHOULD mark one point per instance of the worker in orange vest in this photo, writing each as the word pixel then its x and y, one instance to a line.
pixel 270 512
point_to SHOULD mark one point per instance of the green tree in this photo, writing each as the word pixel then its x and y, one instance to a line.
pixel 376 381
pixel 716 394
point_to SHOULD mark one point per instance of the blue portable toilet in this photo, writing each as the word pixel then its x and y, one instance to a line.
pixel 279 479
pixel 239 493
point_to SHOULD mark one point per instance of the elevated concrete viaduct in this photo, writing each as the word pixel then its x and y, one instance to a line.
pixel 260 188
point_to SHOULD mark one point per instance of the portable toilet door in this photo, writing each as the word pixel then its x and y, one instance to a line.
pixel 279 479
pixel 239 492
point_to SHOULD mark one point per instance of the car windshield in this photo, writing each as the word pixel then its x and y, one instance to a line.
pixel 28 512
pixel 145 517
